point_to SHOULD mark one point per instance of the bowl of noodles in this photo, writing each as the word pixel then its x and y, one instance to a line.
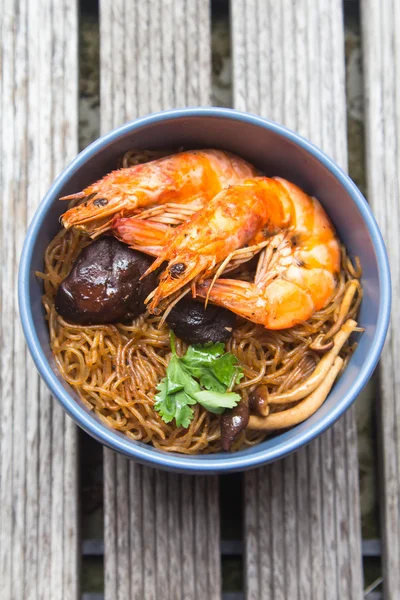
pixel 204 291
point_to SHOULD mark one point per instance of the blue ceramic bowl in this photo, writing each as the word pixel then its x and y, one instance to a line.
pixel 276 151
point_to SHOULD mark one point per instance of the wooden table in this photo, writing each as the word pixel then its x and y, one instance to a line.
pixel 162 532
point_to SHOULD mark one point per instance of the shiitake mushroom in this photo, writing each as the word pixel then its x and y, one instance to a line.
pixel 194 323
pixel 104 284
pixel 233 422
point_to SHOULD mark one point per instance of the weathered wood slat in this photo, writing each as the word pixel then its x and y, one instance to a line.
pixel 161 530
pixel 38 443
pixel 302 514
pixel 381 54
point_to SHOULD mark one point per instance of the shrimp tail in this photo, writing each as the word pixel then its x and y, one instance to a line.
pixel 280 305
pixel 145 236
pixel 241 297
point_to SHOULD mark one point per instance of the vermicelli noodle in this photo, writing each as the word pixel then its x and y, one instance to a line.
pixel 115 368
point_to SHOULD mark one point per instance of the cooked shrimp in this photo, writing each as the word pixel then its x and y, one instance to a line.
pixel 296 273
pixel 297 270
pixel 197 247
pixel 195 175
pixel 147 236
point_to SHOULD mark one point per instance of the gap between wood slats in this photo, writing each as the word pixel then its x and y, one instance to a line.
pixel 95 547
pixel 225 596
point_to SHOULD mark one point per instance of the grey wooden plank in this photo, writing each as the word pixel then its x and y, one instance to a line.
pixel 303 539
pixel 159 545
pixel 161 530
pixel 381 54
pixel 38 443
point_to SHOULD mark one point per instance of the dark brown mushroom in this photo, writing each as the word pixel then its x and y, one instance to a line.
pixel 258 400
pixel 233 422
pixel 104 284
pixel 193 323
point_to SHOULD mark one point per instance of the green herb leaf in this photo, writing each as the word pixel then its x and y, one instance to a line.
pixel 202 367
pixel 225 368
pixel 214 369
pixel 163 404
pixel 178 378
pixel 239 374
pixel 209 381
pixel 201 355
pixel 183 412
pixel 216 402
pixel 174 406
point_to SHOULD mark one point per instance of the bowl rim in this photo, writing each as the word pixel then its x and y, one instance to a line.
pixel 177 462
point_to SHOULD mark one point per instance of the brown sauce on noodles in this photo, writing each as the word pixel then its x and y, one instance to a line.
pixel 115 368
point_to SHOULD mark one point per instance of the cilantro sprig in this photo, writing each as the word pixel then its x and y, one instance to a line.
pixel 203 375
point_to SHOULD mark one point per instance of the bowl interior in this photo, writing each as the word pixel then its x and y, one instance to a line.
pixel 274 151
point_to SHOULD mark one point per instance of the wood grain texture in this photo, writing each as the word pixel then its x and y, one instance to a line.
pixel 161 533
pixel 381 54
pixel 38 443
pixel 161 530
pixel 302 514
pixel 154 55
